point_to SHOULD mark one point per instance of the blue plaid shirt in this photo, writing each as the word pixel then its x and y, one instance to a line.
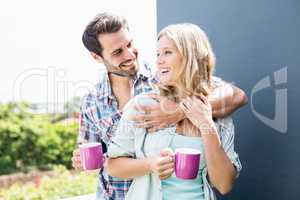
pixel 99 118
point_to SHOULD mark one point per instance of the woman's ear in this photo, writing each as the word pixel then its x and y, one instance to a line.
pixel 97 57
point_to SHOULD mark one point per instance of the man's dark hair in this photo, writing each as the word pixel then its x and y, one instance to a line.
pixel 102 23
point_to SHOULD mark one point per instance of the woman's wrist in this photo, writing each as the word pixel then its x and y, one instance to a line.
pixel 207 126
pixel 209 134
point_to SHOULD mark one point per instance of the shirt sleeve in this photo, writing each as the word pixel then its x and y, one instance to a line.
pixel 123 143
pixel 216 84
pixel 226 131
pixel 88 131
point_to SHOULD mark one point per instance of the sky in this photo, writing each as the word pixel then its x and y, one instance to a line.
pixel 42 58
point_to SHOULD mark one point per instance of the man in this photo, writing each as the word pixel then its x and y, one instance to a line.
pixel 108 39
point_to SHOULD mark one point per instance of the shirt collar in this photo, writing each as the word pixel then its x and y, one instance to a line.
pixel 144 70
pixel 104 88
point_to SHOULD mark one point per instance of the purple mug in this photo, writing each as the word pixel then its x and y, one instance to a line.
pixel 187 163
pixel 91 156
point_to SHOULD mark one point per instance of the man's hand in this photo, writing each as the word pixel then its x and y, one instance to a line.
pixel 163 165
pixel 158 116
pixel 76 161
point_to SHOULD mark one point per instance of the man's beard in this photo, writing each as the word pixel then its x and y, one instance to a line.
pixel 117 70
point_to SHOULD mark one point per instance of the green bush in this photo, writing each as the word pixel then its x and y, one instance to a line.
pixel 62 186
pixel 30 140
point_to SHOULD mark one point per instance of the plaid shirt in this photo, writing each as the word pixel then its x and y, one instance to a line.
pixel 99 118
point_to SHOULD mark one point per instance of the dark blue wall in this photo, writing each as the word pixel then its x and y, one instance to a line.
pixel 252 40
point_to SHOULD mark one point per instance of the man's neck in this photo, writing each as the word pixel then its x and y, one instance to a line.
pixel 119 81
pixel 121 88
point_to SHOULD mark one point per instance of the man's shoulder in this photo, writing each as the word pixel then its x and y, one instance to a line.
pixel 93 96
pixel 88 100
pixel 216 81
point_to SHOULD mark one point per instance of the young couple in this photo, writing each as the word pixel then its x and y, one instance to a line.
pixel 141 119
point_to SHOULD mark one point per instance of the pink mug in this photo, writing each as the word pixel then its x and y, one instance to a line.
pixel 187 162
pixel 91 156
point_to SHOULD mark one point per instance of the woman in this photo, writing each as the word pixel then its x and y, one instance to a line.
pixel 185 65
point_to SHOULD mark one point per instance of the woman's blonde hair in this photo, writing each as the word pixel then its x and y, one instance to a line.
pixel 198 61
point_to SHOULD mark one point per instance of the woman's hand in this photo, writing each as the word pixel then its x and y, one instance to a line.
pixel 198 111
pixel 163 165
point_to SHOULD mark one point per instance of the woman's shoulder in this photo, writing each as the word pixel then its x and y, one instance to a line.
pixel 142 99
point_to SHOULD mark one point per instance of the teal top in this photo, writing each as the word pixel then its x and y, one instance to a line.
pixel 174 188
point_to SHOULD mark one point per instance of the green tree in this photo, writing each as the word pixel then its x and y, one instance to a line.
pixel 30 140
